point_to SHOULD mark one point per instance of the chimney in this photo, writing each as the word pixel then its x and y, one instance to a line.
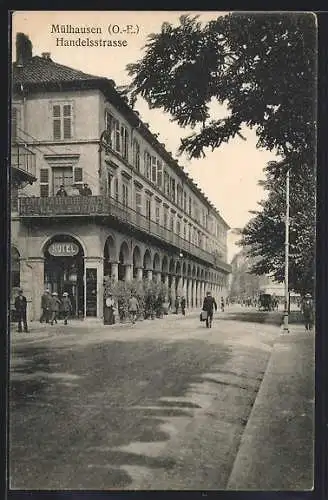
pixel 46 55
pixel 23 49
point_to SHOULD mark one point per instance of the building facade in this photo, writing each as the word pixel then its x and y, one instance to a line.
pixel 145 217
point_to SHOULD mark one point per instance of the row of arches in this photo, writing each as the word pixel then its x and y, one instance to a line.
pixel 153 260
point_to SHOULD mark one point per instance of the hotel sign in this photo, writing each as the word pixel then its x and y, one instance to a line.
pixel 63 249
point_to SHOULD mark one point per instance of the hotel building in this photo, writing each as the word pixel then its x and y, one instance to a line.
pixel 145 219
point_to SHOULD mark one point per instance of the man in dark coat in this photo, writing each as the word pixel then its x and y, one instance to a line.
pixel 45 306
pixel 209 305
pixel 21 306
pixel 85 190
pixel 61 191
pixel 308 311
pixel 183 306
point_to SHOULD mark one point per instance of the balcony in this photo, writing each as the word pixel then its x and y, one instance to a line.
pixel 104 207
pixel 23 166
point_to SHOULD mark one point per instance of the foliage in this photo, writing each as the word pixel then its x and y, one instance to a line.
pixel 264 235
pixel 260 66
pixel 147 293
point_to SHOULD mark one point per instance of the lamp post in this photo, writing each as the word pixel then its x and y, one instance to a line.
pixel 286 307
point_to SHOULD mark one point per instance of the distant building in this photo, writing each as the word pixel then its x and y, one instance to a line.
pixel 243 284
pixel 145 218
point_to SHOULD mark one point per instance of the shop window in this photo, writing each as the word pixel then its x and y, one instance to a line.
pixel 44 182
pixel 62 115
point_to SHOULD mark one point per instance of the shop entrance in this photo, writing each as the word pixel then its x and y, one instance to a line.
pixel 64 270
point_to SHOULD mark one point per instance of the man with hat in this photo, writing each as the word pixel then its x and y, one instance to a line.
pixel 45 306
pixel 85 190
pixel 308 311
pixel 61 191
pixel 54 307
pixel 66 306
pixel 209 305
pixel 21 306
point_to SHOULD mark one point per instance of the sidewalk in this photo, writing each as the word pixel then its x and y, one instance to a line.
pixel 277 447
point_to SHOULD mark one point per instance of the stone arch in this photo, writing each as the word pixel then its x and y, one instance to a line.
pixel 198 272
pixel 110 255
pixel 147 265
pixel 184 269
pixel 156 262
pixel 202 273
pixel 136 257
pixel 189 270
pixel 194 271
pixel 165 264
pixel 172 266
pixel 178 269
pixel 123 260
pixel 47 241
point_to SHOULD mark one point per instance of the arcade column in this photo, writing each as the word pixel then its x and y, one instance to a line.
pixel 115 271
pixel 128 272
pixel 149 274
pixel 139 273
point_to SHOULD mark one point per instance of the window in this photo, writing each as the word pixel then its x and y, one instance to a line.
pixel 62 121
pixel 185 231
pixel 15 123
pixel 185 201
pixel 136 155
pixel 154 169
pixel 147 158
pixel 44 182
pixel 116 191
pixel 116 137
pixel 189 208
pixel 179 195
pixel 125 142
pixel 138 201
pixel 125 193
pixel 148 208
pixel 178 227
pixel 109 126
pixel 78 175
pixel 172 223
pixel 166 184
pixel 166 217
pixel 109 183
pixel 158 213
pixel 172 185
pixel 160 174
pixel 62 176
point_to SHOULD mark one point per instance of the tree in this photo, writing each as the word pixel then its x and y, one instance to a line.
pixel 264 235
pixel 261 66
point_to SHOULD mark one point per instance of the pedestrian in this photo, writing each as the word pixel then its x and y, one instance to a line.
pixel 222 304
pixel 177 304
pixel 85 190
pixel 183 306
pixel 61 191
pixel 54 307
pixel 209 305
pixel 21 306
pixel 307 309
pixel 110 305
pixel 133 308
pixel 66 306
pixel 45 306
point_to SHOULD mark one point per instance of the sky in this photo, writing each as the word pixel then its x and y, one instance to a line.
pixel 229 175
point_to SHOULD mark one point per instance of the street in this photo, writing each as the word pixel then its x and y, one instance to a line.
pixel 159 405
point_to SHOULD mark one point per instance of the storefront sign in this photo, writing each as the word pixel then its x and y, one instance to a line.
pixel 63 249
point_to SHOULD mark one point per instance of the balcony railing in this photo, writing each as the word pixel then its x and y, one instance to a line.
pixel 104 206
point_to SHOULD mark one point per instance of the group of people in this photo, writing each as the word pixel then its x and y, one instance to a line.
pixel 83 191
pixel 180 302
pixel 52 306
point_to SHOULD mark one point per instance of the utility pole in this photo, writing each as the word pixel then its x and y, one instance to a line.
pixel 286 308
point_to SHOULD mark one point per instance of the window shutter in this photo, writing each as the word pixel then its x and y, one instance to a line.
pixel 56 121
pixel 44 175
pixel 78 174
pixel 67 126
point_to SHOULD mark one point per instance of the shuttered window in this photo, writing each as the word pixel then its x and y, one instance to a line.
pixel 62 121
pixel 154 169
pixel 44 182
pixel 15 123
